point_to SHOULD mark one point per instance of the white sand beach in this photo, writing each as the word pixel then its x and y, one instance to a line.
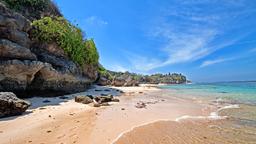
pixel 62 120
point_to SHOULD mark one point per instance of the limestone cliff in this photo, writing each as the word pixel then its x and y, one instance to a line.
pixel 29 67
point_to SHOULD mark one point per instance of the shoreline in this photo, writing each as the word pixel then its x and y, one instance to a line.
pixel 68 122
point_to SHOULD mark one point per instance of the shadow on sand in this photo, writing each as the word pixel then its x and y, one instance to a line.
pixel 41 102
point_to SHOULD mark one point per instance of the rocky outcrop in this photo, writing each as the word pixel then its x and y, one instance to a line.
pixel 29 67
pixel 133 79
pixel 118 81
pixel 10 105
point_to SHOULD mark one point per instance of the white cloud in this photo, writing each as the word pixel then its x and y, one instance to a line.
pixel 212 62
pixel 94 20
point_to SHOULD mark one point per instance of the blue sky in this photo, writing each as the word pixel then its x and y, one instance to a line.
pixel 207 40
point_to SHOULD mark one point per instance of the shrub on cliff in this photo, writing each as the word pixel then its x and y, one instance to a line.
pixel 68 37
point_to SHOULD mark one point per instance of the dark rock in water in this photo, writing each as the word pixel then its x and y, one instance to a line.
pixel 223 92
pixel 46 101
pixel 83 99
pixel 10 105
pixel 97 90
pixel 107 90
pixel 63 97
pixel 103 94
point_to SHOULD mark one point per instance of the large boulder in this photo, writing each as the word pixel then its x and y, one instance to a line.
pixel 10 105
pixel 83 99
pixel 103 99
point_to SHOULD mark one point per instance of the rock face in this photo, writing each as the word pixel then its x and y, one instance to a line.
pixel 10 105
pixel 29 67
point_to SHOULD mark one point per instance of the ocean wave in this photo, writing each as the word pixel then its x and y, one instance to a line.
pixel 213 115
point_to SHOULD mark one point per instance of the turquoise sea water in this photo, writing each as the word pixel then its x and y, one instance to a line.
pixel 235 92
pixel 235 100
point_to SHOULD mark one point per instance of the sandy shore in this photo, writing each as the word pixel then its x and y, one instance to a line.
pixel 65 121
pixel 187 132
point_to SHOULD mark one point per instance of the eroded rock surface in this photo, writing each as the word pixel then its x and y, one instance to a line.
pixel 10 105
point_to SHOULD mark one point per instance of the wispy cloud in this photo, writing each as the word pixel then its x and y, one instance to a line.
pixel 215 61
pixel 190 33
pixel 242 55
pixel 94 20
pixel 253 50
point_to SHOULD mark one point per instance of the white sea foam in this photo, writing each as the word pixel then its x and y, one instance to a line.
pixel 229 107
pixel 212 116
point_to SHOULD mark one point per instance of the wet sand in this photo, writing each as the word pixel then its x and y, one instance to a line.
pixel 239 127
pixel 189 132
pixel 113 121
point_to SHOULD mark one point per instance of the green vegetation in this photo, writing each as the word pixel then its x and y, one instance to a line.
pixel 68 37
pixel 92 53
